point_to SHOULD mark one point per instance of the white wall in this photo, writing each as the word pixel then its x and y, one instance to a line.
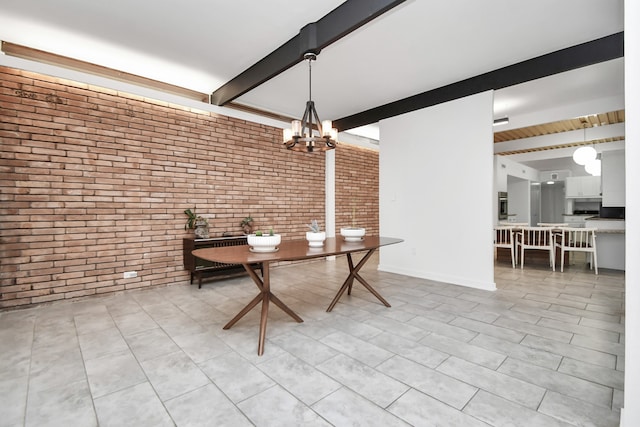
pixel 503 168
pixel 631 412
pixel 613 182
pixel 436 192
pixel 519 199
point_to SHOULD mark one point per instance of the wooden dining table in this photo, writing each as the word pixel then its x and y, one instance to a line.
pixel 294 250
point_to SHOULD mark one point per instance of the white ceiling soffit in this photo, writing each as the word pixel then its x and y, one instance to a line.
pixel 415 47
pixel 195 44
pixel 589 90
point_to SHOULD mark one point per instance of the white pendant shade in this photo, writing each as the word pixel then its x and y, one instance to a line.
pixel 594 167
pixel 584 155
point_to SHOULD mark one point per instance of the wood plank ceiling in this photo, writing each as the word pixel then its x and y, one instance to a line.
pixel 577 123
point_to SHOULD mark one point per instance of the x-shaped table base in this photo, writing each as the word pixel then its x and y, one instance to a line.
pixel 353 274
pixel 265 295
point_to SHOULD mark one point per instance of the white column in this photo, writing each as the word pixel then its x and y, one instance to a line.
pixel 630 415
pixel 330 192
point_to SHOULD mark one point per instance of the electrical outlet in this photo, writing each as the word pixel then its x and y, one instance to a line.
pixel 130 274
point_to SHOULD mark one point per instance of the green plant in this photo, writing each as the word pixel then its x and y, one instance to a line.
pixel 246 221
pixel 314 227
pixel 262 233
pixel 247 224
pixel 193 219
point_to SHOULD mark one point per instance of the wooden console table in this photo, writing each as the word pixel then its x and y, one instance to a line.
pixel 293 251
pixel 200 268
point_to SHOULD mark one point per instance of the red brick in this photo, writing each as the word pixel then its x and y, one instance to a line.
pixel 97 185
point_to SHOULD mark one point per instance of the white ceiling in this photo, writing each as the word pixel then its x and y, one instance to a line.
pixel 417 46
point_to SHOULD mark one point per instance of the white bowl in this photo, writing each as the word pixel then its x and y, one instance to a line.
pixel 316 240
pixel 352 234
pixel 263 243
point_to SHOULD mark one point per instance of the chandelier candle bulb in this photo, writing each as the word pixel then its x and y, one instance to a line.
pixel 326 127
pixel 287 135
pixel 296 127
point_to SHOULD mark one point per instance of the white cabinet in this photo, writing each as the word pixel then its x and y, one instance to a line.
pixel 582 187
pixel 613 179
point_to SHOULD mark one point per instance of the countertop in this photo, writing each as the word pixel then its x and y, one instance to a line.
pixel 606 225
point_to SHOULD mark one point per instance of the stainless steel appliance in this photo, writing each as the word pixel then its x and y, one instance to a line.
pixel 503 205
pixel 612 212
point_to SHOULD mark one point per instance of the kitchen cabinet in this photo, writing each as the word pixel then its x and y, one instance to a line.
pixel 613 179
pixel 582 187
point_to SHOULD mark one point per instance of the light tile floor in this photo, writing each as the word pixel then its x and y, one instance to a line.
pixel 545 349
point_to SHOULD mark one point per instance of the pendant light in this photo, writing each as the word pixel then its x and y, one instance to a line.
pixel 585 154
pixel 310 134
pixel 594 167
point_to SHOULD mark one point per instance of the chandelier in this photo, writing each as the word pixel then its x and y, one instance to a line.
pixel 310 134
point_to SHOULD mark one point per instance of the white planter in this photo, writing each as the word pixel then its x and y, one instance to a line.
pixel 263 243
pixel 316 240
pixel 352 234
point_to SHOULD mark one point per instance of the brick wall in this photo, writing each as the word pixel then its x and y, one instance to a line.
pixel 94 183
pixel 357 188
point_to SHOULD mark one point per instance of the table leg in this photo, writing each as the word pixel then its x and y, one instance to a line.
pixel 350 262
pixel 265 295
pixel 353 274
pixel 265 312
pixel 244 311
pixel 284 308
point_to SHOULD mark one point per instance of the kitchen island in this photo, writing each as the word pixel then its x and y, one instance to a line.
pixel 610 241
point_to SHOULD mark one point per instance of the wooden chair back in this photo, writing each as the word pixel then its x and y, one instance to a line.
pixel 502 236
pixel 578 240
pixel 537 237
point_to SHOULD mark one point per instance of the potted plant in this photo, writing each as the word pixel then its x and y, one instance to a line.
pixel 264 241
pixel 199 223
pixel 353 233
pixel 315 237
pixel 247 225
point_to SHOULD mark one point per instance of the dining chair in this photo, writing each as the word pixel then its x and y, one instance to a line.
pixel 503 238
pixel 578 240
pixel 540 238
